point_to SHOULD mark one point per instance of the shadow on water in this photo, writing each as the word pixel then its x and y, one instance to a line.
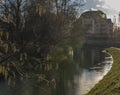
pixel 91 56
pixel 73 78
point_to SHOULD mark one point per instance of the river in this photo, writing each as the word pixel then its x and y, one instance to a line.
pixel 76 78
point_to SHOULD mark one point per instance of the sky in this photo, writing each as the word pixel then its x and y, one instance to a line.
pixel 110 7
pixel 115 4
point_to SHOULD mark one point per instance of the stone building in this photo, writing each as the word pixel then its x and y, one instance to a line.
pixel 97 25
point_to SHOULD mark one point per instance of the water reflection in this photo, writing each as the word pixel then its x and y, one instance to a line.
pixel 90 69
pixel 88 78
pixel 75 78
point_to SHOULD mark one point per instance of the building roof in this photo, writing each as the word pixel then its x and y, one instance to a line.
pixel 94 14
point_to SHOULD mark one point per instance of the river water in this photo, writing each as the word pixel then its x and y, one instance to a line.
pixel 76 78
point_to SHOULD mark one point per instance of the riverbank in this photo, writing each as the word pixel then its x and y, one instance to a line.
pixel 110 84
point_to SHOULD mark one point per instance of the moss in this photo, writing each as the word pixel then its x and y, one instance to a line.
pixel 110 84
pixel 94 14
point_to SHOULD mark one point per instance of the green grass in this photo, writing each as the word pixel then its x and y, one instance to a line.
pixel 110 84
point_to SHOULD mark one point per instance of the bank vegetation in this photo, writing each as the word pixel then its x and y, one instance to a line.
pixel 110 84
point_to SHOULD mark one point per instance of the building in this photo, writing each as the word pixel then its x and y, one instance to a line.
pixel 97 25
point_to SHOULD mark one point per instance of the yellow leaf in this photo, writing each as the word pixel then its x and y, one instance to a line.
pixel 25 56
pixel 3 70
pixel 45 67
pixel 6 74
pixel 0 69
pixel 9 81
pixel 7 35
pixel 1 33
pixel 21 57
pixel 57 66
pixel 14 49
pixel 5 46
pixel 50 66
pixel 1 42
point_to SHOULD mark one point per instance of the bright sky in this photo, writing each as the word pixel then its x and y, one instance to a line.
pixel 110 7
pixel 114 4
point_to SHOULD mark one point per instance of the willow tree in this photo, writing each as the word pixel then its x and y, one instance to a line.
pixel 35 30
pixel 50 23
pixel 37 27
pixel 12 19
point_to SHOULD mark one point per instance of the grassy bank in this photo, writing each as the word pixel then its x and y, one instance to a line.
pixel 110 84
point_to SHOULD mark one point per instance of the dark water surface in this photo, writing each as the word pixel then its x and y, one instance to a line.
pixel 75 78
